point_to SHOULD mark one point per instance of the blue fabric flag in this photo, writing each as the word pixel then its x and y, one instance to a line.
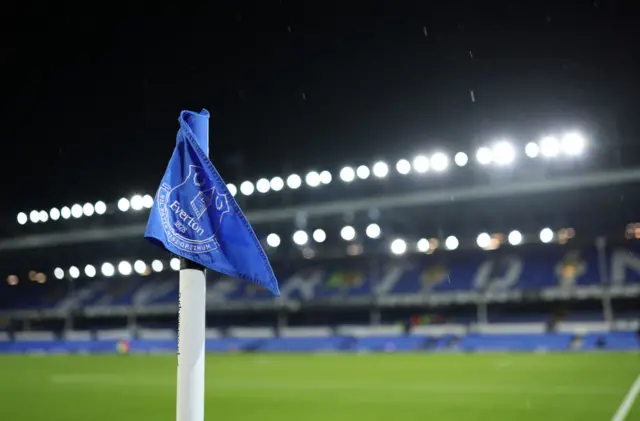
pixel 194 215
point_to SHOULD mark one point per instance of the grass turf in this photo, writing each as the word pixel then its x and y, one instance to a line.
pixel 389 387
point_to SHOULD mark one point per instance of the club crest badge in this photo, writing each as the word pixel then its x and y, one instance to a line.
pixel 192 212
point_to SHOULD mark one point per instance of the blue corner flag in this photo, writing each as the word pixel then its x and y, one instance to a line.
pixel 194 215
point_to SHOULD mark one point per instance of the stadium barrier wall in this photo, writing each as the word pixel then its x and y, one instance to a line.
pixel 450 338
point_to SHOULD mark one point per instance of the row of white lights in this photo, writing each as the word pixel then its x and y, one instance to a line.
pixel 136 203
pixel 373 231
pixel 123 268
pixel 398 247
pixel 501 153
pixel 75 211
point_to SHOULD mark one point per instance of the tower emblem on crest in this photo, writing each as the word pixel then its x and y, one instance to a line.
pixel 192 212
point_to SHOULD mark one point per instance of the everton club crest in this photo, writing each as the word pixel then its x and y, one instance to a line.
pixel 192 212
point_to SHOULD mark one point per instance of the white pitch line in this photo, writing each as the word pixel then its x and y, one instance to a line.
pixel 627 403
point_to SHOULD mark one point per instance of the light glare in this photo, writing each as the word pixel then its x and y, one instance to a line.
pixel 373 231
pixel 319 236
pixel 107 269
pixel 439 162
pixel 403 167
pixel 54 214
pixel 347 174
pixel 22 218
pixel 123 204
pixel 246 188
pixel 277 184
pixel 273 240
pixel 348 233
pixel 451 243
pixel 363 172
pixel 484 156
pixel 300 238
pixel 90 271
pixel 380 169
pixel 398 246
pixel 312 179
pixel 294 181
pixel 100 207
pixel 515 238
pixel 461 159
pixel 263 185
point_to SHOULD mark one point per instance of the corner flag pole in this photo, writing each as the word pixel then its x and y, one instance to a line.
pixel 191 342
pixel 196 218
pixel 192 313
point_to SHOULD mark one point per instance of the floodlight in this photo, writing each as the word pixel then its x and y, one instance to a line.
pixel 532 150
pixel 124 268
pixel 451 243
pixel 277 184
pixel 461 159
pixel 107 269
pixel 90 271
pixel 157 266
pixel 439 162
pixel 515 238
pixel 403 166
pixel 88 209
pixel 484 155
pixel 147 201
pixel 22 218
pixel 380 169
pixel 312 179
pixel 398 246
pixel 65 212
pixel 76 211
pixel 137 202
pixel 294 181
pixel 300 238
pixel 273 240
pixel 483 240
pixel 34 216
pixel 348 233
pixel 263 185
pixel 325 177
pixel 246 188
pixel 373 231
pixel 319 236
pixel 100 207
pixel 140 267
pixel 363 172
pixel 54 214
pixel 549 146
pixel 573 144
pixel 123 204
pixel 546 235
pixel 347 174
pixel 503 153
pixel 421 164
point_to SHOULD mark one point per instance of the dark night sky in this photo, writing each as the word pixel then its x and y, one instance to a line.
pixel 90 98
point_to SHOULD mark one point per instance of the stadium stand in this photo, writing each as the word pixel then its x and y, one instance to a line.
pixel 355 274
pixel 549 274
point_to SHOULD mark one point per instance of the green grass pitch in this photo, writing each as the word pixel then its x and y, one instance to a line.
pixel 385 387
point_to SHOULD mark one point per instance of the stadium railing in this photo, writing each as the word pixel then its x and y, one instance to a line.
pixel 527 337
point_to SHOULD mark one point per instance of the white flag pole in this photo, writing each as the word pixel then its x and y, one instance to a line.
pixel 191 342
